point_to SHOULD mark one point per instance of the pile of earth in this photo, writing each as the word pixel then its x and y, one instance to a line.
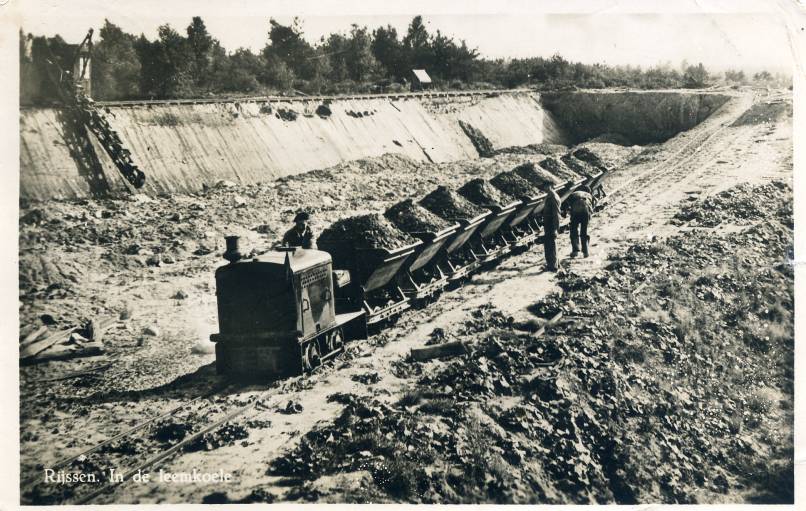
pixel 450 205
pixel 482 144
pixel 514 185
pixel 413 218
pixel 558 168
pixel 542 148
pixel 684 395
pixel 744 204
pixel 536 175
pixel 480 192
pixel 366 231
pixel 580 167
pixel 765 112
pixel 586 155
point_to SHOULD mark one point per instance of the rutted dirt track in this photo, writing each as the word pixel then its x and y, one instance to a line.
pixel 645 194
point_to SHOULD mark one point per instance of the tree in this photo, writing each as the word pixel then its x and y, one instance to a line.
pixel 389 51
pixel 116 68
pixel 735 76
pixel 449 60
pixel 361 64
pixel 287 44
pixel 165 65
pixel 417 45
pixel 201 45
pixel 695 77
pixel 335 49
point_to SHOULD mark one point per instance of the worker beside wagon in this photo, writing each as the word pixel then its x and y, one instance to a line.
pixel 581 205
pixel 301 234
pixel 551 224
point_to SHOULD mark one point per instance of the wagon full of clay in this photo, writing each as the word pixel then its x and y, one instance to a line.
pixel 370 252
pixel 421 278
pixel 489 242
pixel 519 231
pixel 456 260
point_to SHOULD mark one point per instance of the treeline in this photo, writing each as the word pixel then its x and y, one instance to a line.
pixel 194 64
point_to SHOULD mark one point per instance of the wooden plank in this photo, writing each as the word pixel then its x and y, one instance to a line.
pixel 449 349
pixel 33 336
pixel 557 317
pixel 35 348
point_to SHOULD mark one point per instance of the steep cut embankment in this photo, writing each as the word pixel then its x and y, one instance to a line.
pixel 633 118
pixel 183 146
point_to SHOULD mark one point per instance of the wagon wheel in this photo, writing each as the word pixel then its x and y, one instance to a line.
pixel 310 356
pixel 336 340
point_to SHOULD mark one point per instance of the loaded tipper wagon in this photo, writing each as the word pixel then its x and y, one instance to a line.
pixel 421 278
pixel 518 232
pixel 372 251
pixel 456 260
pixel 489 243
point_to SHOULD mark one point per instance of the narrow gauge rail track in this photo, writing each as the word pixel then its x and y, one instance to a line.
pixel 144 426
pixel 126 433
pixel 306 99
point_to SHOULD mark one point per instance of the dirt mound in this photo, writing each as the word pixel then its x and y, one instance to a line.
pixel 482 144
pixel 40 272
pixel 535 175
pixel 482 193
pixel 742 204
pixel 612 138
pixel 367 231
pixel 514 185
pixel 227 434
pixel 413 218
pixel 611 155
pixel 765 112
pixel 450 205
pixel 559 169
pixel 580 167
pixel 533 149
pixel 584 154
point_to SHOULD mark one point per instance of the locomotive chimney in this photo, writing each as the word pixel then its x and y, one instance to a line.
pixel 232 254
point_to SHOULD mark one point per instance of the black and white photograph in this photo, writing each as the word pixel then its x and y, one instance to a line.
pixel 321 252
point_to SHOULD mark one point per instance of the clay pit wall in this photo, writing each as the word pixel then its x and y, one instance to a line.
pixel 184 145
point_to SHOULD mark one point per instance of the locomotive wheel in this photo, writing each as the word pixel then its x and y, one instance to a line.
pixel 335 340
pixel 310 356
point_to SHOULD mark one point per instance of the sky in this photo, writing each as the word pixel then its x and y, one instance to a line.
pixel 741 34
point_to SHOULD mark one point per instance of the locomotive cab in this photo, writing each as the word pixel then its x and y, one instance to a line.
pixel 277 315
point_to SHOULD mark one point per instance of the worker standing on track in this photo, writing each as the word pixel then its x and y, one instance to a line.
pixel 551 224
pixel 581 205
pixel 301 234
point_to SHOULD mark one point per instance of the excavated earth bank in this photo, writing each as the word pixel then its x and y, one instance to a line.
pixel 184 146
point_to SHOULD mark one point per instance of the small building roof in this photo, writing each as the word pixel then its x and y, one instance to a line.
pixel 421 75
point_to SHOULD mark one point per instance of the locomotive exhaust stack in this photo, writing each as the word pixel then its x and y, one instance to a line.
pixel 233 253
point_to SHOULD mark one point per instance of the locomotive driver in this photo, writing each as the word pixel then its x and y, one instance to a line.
pixel 301 234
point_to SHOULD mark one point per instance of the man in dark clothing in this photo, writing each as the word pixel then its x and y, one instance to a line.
pixel 581 205
pixel 551 224
pixel 301 234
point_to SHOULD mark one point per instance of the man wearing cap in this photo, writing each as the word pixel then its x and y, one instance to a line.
pixel 581 205
pixel 301 234
pixel 551 224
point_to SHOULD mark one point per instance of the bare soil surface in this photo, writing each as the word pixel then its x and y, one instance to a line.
pixel 374 427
